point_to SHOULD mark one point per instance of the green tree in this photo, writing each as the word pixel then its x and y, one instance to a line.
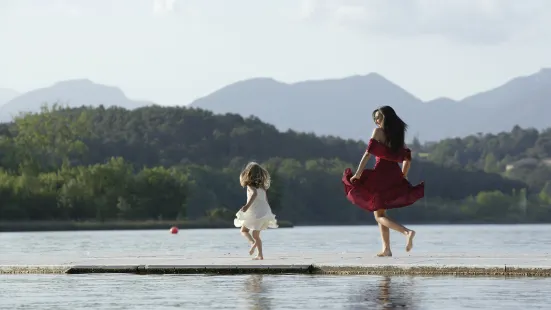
pixel 491 203
pixel 220 214
pixel 275 192
pixel 491 164
pixel 165 188
pixel 416 145
pixel 43 140
pixel 545 193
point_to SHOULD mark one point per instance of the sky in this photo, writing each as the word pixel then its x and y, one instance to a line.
pixel 174 51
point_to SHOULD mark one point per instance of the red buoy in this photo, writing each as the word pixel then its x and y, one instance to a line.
pixel 173 230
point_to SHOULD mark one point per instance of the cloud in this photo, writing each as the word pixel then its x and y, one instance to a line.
pixel 100 8
pixel 179 7
pixel 37 8
pixel 163 7
pixel 308 8
pixel 471 21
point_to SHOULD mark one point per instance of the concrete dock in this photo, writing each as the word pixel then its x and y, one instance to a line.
pixel 307 263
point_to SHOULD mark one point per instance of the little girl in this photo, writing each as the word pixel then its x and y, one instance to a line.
pixel 256 214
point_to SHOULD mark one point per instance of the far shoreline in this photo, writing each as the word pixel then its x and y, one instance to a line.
pixel 53 226
pixel 60 226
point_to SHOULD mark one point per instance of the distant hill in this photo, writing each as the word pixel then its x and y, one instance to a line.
pixel 339 107
pixel 342 107
pixel 523 101
pixel 7 95
pixel 74 93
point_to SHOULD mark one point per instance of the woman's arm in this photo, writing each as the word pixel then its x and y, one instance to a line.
pixel 377 132
pixel 250 202
pixel 406 164
pixel 361 166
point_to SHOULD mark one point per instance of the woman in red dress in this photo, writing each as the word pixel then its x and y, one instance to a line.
pixel 386 185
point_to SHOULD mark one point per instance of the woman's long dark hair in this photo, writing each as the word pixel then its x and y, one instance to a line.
pixel 394 128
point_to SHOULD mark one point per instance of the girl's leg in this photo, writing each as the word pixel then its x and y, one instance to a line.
pixel 258 244
pixel 253 247
pixel 383 219
pixel 246 234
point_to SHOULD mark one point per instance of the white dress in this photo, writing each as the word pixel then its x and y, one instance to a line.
pixel 259 216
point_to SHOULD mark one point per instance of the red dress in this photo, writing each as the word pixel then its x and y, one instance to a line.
pixel 384 186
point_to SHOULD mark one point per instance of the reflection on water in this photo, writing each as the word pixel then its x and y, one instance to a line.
pixel 300 292
pixel 384 294
pixel 257 293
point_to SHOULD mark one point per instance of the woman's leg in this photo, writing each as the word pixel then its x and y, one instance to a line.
pixel 383 219
pixel 258 244
pixel 385 238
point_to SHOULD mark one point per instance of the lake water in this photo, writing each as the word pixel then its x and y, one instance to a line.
pixel 92 292
pixel 271 291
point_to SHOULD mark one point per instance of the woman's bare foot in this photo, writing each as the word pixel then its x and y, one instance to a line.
pixel 385 253
pixel 409 235
pixel 258 258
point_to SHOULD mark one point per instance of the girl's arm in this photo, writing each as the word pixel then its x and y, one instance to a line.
pixel 250 202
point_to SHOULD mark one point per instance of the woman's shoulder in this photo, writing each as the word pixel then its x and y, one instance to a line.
pixel 377 144
pixel 377 132
pixel 378 135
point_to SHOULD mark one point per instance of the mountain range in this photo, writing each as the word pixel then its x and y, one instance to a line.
pixel 7 94
pixel 343 107
pixel 337 107
pixel 72 93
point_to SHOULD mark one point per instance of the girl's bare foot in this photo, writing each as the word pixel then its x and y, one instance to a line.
pixel 385 253
pixel 258 258
pixel 253 247
pixel 409 235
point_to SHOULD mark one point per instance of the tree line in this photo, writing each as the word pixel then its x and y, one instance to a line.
pixel 168 163
pixel 521 154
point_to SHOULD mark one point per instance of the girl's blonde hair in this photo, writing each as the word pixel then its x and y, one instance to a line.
pixel 255 175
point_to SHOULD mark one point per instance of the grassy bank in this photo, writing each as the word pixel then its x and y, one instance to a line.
pixel 118 225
